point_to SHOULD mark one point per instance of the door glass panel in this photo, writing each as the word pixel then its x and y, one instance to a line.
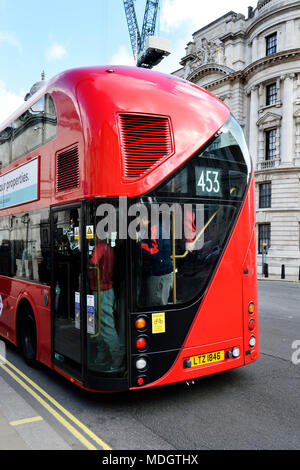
pixel 67 276
pixel 105 290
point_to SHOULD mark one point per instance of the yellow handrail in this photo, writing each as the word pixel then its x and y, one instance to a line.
pixel 174 256
pixel 98 302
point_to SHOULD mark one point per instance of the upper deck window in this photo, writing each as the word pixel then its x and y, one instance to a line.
pixel 220 170
pixel 5 150
pixel 50 119
pixel 29 131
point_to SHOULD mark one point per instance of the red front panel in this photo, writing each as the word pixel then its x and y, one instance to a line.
pixel 222 320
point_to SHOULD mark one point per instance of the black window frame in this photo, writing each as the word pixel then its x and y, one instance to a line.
pixel 270 141
pixel 271 94
pixel 265 194
pixel 271 44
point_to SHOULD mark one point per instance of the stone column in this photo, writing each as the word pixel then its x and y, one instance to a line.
pixel 261 149
pixel 261 96
pixel 278 87
pixel 254 49
pixel 253 131
pixel 297 140
pixel 287 131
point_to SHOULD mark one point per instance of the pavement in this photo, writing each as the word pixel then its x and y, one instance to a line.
pixel 9 438
pixel 260 277
pixel 21 426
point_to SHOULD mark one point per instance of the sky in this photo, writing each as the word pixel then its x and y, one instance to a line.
pixel 53 36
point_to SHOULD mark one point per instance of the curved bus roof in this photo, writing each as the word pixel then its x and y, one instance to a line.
pixel 74 76
pixel 101 96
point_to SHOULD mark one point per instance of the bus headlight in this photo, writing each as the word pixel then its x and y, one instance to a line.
pixel 141 363
pixel 235 352
pixel 252 341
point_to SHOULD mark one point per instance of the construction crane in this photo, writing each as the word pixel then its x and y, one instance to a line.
pixel 148 50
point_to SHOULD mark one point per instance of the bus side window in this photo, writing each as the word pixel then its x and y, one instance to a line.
pixel 50 119
pixel 28 130
pixel 5 147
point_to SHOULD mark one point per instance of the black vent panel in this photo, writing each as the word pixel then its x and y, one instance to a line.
pixel 67 169
pixel 145 140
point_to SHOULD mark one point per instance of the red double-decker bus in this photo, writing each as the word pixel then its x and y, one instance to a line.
pixel 127 231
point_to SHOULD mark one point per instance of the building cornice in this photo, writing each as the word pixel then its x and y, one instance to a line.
pixel 280 169
pixel 234 35
pixel 187 57
pixel 273 59
pixel 258 65
pixel 262 17
pixel 245 33
pixel 208 68
pixel 217 20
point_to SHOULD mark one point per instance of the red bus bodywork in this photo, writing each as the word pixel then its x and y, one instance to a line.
pixel 88 103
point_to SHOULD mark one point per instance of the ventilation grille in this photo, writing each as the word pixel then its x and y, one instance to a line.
pixel 145 141
pixel 67 169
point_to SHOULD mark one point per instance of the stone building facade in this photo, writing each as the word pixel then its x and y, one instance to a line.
pixel 253 65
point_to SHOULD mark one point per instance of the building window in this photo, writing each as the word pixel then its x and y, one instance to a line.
pixel 270 144
pixel 271 94
pixel 264 238
pixel 271 44
pixel 264 195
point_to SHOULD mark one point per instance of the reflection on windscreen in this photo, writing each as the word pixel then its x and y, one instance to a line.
pixel 174 262
pixel 221 170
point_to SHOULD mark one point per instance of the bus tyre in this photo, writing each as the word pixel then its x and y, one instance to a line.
pixel 28 337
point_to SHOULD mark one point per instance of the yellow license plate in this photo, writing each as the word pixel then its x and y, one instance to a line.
pixel 208 358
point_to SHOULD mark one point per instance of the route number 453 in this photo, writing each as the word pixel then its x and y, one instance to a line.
pixel 209 182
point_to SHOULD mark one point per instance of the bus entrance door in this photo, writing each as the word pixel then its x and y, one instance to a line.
pixel 66 279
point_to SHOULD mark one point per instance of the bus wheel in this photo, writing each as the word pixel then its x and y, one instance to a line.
pixel 28 341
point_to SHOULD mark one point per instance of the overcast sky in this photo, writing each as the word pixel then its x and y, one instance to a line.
pixel 62 34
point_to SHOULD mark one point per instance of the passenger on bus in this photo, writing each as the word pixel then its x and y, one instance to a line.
pixel 70 232
pixel 110 355
pixel 157 264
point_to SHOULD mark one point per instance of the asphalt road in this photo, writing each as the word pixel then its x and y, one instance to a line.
pixel 253 407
